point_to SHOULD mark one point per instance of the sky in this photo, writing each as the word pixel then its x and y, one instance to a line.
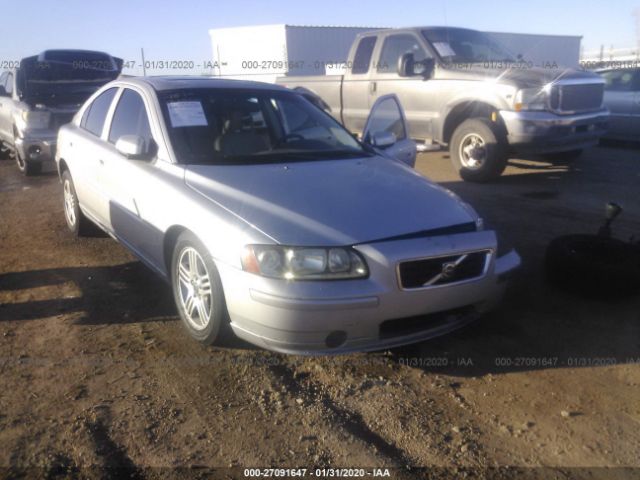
pixel 170 30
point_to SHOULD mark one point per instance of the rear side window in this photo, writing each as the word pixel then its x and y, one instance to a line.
pixel 387 117
pixel 362 58
pixel 395 46
pixel 130 118
pixel 94 116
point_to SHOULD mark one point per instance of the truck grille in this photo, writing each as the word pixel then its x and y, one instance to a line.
pixel 435 271
pixel 577 98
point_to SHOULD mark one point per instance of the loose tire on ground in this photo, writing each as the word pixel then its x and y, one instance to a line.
pixel 594 266
pixel 478 150
pixel 78 224
pixel 197 291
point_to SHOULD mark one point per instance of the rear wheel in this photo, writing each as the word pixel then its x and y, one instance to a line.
pixel 197 290
pixel 478 150
pixel 27 168
pixel 78 224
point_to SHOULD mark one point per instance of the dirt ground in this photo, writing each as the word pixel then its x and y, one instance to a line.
pixel 99 379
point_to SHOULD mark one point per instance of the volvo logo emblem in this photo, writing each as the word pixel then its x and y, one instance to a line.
pixel 448 270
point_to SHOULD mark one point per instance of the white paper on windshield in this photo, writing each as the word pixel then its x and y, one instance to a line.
pixel 444 49
pixel 186 114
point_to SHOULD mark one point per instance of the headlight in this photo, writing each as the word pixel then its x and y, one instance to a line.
pixel 534 99
pixel 33 119
pixel 303 263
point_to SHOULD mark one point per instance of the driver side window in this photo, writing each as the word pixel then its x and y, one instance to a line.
pixel 130 118
pixel 394 47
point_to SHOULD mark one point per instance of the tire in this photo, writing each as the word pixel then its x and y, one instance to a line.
pixel 478 150
pixel 191 265
pixel 595 266
pixel 77 223
pixel 564 157
pixel 28 169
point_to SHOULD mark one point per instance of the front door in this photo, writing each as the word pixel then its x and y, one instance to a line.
pixel 387 117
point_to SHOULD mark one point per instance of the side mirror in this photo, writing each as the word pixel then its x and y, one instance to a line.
pixel 405 65
pixel 3 91
pixel 132 146
pixel 383 139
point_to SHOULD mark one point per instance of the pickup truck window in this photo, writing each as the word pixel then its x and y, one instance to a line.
pixel 222 126
pixel 459 45
pixel 362 57
pixel 130 118
pixel 94 116
pixel 394 47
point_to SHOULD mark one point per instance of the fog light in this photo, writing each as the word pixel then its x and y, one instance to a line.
pixel 34 152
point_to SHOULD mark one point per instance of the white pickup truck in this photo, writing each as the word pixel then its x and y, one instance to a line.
pixel 462 90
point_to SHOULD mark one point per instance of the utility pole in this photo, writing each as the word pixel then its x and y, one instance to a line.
pixel 144 67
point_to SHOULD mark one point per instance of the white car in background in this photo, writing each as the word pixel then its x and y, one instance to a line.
pixel 266 215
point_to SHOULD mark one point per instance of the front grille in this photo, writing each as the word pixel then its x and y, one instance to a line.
pixel 406 326
pixel 435 271
pixel 59 119
pixel 577 98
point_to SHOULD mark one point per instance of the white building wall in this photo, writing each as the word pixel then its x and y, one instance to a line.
pixel 542 50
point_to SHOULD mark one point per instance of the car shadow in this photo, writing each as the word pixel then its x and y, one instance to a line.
pixel 123 293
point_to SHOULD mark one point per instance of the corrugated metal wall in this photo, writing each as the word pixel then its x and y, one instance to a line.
pixel 542 50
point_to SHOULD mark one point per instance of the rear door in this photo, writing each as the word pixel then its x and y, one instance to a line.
pixel 356 85
pixel 387 116
pixel 87 150
pixel 418 96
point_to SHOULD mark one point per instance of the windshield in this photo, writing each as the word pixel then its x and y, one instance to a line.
pixel 458 45
pixel 216 126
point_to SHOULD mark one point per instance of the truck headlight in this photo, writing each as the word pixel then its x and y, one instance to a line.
pixel 532 99
pixel 303 263
pixel 33 119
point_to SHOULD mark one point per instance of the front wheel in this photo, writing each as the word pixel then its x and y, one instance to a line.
pixel 197 290
pixel 478 150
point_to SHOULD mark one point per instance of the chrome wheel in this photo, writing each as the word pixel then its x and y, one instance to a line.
pixel 194 288
pixel 473 151
pixel 69 203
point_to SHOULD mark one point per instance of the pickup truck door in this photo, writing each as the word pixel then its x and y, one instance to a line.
pixel 356 85
pixel 6 103
pixel 387 117
pixel 419 96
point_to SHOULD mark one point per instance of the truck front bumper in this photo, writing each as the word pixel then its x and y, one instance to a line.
pixel 37 146
pixel 547 132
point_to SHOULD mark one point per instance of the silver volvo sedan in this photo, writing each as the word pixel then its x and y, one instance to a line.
pixel 266 216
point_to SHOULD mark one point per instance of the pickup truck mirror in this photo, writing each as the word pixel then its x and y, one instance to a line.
pixel 408 67
pixel 132 146
pixel 383 139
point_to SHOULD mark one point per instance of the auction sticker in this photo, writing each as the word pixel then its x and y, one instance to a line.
pixel 186 114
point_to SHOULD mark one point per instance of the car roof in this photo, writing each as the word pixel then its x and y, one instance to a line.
pixel 168 82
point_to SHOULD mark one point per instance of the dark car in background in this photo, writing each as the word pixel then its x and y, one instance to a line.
pixel 43 93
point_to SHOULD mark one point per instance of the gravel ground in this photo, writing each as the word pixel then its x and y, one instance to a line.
pixel 99 380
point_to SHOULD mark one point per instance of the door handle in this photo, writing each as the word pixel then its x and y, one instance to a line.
pixel 372 87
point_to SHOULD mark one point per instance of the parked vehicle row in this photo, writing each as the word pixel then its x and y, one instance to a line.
pixel 43 93
pixel 267 216
pixel 463 90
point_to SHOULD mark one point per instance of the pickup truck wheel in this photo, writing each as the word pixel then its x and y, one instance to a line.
pixel 197 290
pixel 478 150
pixel 27 168
pixel 76 221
